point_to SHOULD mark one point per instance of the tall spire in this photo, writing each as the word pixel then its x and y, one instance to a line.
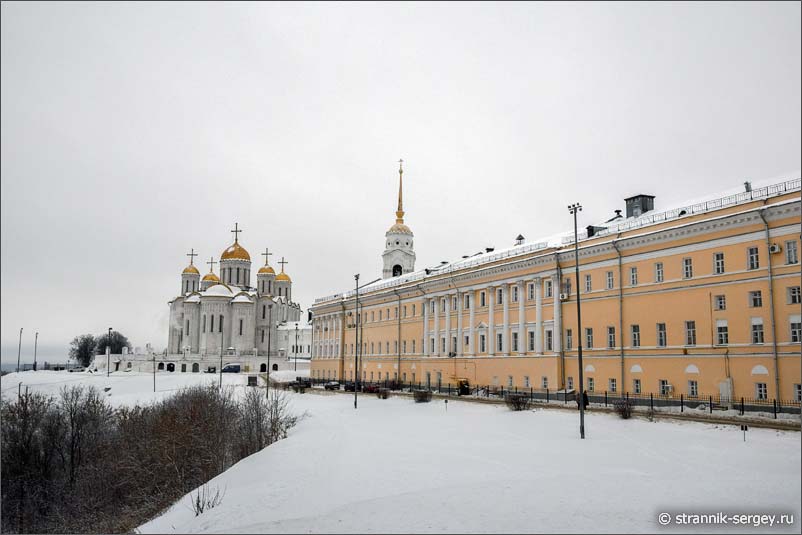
pixel 399 214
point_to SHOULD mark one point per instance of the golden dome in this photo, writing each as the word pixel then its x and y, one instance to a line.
pixel 400 228
pixel 191 269
pixel 211 277
pixel 266 270
pixel 283 277
pixel 235 252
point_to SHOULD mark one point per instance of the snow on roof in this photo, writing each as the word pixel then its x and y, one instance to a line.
pixel 217 290
pixel 290 325
pixel 242 298
pixel 194 298
pixel 760 190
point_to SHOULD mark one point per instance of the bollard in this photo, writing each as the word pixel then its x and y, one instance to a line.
pixel 742 406
pixel 711 404
pixel 547 395
pixel 651 401
pixel 774 402
pixel 605 398
pixel 681 403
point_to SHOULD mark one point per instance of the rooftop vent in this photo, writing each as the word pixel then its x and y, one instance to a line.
pixel 638 205
pixel 748 186
pixel 519 240
pixel 592 230
pixel 615 217
pixel 489 249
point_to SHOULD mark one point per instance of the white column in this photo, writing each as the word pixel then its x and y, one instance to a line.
pixel 436 328
pixel 491 321
pixel 505 340
pixel 447 327
pixel 460 306
pixel 538 316
pixel 425 348
pixel 556 334
pixel 522 341
pixel 472 325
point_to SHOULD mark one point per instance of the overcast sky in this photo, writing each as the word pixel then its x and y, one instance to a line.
pixel 133 132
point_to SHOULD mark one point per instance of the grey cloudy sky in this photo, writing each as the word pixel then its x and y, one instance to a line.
pixel 132 132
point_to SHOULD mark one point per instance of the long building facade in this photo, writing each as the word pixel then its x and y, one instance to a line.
pixel 700 300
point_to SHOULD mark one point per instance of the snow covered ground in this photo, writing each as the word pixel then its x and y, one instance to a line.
pixel 396 466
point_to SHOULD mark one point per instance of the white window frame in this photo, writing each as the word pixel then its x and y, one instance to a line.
pixel 658 272
pixel 718 263
pixel 633 276
pixel 791 252
pixel 610 280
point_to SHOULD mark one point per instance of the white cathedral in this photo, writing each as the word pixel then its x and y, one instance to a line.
pixel 211 312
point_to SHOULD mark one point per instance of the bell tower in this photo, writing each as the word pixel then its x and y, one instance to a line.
pixel 399 252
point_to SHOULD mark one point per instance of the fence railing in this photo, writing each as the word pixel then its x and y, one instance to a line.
pixel 49 366
pixel 702 402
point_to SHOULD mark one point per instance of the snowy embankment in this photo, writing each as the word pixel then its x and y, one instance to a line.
pixel 396 466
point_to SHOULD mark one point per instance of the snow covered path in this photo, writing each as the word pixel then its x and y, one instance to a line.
pixel 397 466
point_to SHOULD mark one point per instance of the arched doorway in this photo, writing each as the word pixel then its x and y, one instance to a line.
pixel 183 368
pixel 263 367
pixel 161 366
pixel 195 367
pixel 275 367
pixel 170 367
pixel 396 270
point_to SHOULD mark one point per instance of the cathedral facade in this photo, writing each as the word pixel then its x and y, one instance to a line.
pixel 226 312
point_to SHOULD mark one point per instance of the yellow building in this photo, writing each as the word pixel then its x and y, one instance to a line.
pixel 696 301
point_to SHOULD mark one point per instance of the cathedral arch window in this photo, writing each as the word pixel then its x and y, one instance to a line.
pixel 220 324
pixel 264 309
pixel 211 323
pixel 237 275
pixel 397 270
pixel 204 323
pixel 240 327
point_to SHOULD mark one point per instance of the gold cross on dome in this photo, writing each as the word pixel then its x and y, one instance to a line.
pixel 282 262
pixel 267 255
pixel 211 263
pixel 236 232
pixel 192 254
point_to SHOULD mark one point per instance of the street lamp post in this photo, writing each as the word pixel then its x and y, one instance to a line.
pixel 295 349
pixel 108 354
pixel 358 343
pixel 269 330
pixel 35 344
pixel 573 209
pixel 221 353
pixel 19 348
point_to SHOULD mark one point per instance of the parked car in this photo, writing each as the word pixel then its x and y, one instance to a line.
pixel 303 381
pixel 370 388
pixel 231 368
pixel 211 369
pixel 332 385
pixel 349 386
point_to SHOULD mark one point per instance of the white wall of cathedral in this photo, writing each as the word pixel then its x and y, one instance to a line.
pixel 284 289
pixel 235 272
pixel 190 283
pixel 265 284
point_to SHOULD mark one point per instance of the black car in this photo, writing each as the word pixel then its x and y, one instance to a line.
pixel 349 386
pixel 332 385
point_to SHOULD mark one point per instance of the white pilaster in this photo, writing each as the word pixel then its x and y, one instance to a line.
pixel 436 352
pixel 556 335
pixel 425 348
pixel 522 341
pixel 491 321
pixel 505 338
pixel 447 327
pixel 472 323
pixel 460 306
pixel 538 316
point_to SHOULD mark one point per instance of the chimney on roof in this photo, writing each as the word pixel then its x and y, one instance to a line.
pixel 593 229
pixel 519 240
pixel 489 249
pixel 748 186
pixel 638 205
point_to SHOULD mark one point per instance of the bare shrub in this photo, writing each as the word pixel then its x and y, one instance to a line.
pixel 422 396
pixel 517 401
pixel 206 498
pixel 623 407
pixel 382 393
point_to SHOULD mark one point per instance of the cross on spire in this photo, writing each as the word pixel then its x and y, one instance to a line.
pixel 282 262
pixel 267 254
pixel 399 214
pixel 192 254
pixel 211 263
pixel 236 232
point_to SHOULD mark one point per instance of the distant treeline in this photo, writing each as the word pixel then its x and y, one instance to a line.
pixel 72 464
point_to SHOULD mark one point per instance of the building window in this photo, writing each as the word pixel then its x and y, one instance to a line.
pixel 796 330
pixel 240 327
pixel 635 335
pixel 204 323
pixel 509 381
pixel 791 254
pixel 720 302
pixel 431 306
pixel 567 285
pixel 526 382
pixel 761 392
pixel 665 387
pixel 591 384
pixel 718 263
pixel 499 296
pixel 569 339
pixel 380 315
pixel 499 342
pixel 755 299
pixel 633 276
pixel 757 330
pixel 610 280
pixel 661 335
pixel 722 333
pixel 514 294
pixel 569 383
pixel 798 392
pixel 549 291
pixel 687 268
pixel 588 284
pixel 531 290
pixel 413 346
pixel 658 272
pixel 482 343
pixel 531 340
pixel 610 336
pixel 589 337
pixel 515 341
pixel 636 386
pixel 467 302
pixel 220 323
pixel 482 299
pixel 753 258
pixel 549 341
pixel 544 382
pixel 693 389
pixel 211 323
pixel 404 346
pixel 690 333
pixel 467 339
pixel 794 295
pixel 612 384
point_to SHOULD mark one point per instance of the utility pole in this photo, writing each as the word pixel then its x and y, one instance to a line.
pixel 108 354
pixel 296 346
pixel 221 348
pixel 269 330
pixel 35 344
pixel 19 349
pixel 573 209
